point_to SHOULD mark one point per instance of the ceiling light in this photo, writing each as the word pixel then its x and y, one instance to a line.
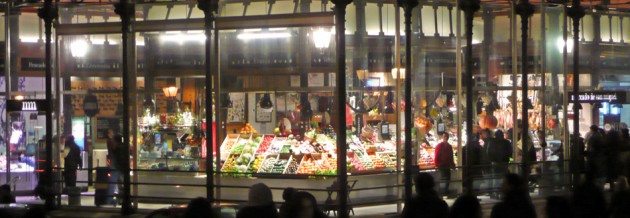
pixel 321 38
pixel 79 48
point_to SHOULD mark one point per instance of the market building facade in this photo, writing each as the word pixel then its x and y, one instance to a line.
pixel 213 97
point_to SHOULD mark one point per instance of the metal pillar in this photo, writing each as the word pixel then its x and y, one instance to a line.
pixel 407 6
pixel 342 175
pixel 209 7
pixel 469 7
pixel 126 12
pixel 525 10
pixel 576 12
pixel 48 13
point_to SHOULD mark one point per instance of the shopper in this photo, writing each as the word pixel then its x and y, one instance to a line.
pixel 466 206
pixel 6 197
pixel 516 202
pixel 620 202
pixel 444 161
pixel 530 158
pixel 72 162
pixel 471 157
pixel 612 152
pixel 499 154
pixel 596 156
pixel 260 203
pixel 624 153
pixel 427 203
pixel 303 205
pixel 112 148
pixel 485 166
pixel 588 200
pixel 287 194
pixel 198 208
pixel 558 207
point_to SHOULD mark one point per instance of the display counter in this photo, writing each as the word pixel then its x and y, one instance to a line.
pixel 258 155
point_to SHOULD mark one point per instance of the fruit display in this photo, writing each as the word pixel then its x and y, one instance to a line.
pixel 305 148
pixel 265 144
pixel 317 156
pixel 238 148
pixel 229 164
pixel 308 165
pixel 256 163
pixel 390 162
pixel 279 166
pixel 285 149
pixel 228 143
pixel 248 129
pixel 277 144
pixel 367 162
pixel 378 162
pixel 292 167
pixel 268 164
pixel 332 161
pixel 356 165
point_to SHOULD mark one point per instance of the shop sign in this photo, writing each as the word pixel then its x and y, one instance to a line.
pixel 99 66
pixel 33 64
pixel 593 97
pixel 26 105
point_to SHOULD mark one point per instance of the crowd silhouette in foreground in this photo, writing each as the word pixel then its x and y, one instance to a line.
pixel 586 201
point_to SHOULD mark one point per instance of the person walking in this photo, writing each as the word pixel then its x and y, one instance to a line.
pixel 471 157
pixel 444 161
pixel 596 156
pixel 499 153
pixel 427 203
pixel 485 165
pixel 612 151
pixel 72 162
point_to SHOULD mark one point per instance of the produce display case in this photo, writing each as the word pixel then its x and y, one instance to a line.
pixel 263 155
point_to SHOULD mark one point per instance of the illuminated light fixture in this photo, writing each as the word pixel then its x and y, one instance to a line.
pixel 79 48
pixel 170 91
pixel 263 35
pixel 475 42
pixel 561 43
pixel 29 39
pixel 19 97
pixel 321 38
pixel 181 38
pixel 395 73
pixel 265 103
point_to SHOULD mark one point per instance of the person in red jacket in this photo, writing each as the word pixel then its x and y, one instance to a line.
pixel 444 161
